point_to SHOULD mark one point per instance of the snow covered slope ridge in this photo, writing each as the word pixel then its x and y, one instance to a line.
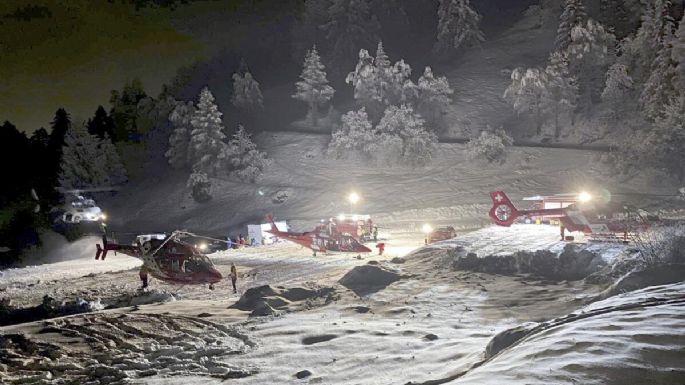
pixel 614 341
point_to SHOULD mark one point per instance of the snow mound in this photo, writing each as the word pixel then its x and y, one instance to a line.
pixel 574 263
pixel 634 338
pixel 118 348
pixel 368 279
pixel 49 308
pixel 265 300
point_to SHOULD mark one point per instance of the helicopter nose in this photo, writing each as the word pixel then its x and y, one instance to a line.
pixel 213 276
pixel 363 249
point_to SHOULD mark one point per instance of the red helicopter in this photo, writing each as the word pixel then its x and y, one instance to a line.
pixel 608 221
pixel 323 238
pixel 168 259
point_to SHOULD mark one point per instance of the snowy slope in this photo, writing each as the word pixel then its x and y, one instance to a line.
pixel 635 338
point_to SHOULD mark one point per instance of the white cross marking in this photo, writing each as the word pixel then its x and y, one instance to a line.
pixel 498 198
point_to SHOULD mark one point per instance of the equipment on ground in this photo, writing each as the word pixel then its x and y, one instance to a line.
pixel 324 238
pixel 442 233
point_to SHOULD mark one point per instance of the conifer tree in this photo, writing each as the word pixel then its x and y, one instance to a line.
pixel 313 89
pixel 246 93
pixel 433 98
pixel 573 15
pixel 178 153
pixel 207 137
pixel 457 26
pixel 617 93
pixel 350 26
pixel 243 158
pixel 101 124
pixel 83 163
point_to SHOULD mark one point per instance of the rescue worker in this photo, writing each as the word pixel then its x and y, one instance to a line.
pixel 381 248
pixel 562 230
pixel 229 242
pixel 143 276
pixel 375 233
pixel 234 277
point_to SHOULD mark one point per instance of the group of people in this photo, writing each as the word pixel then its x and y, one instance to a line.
pixel 239 242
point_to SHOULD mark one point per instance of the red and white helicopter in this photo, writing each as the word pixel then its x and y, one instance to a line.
pixel 600 221
pixel 322 239
pixel 169 259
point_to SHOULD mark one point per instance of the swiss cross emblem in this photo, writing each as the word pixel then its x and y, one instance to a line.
pixel 498 198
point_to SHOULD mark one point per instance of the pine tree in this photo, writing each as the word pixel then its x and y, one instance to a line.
pixel 350 25
pixel 383 74
pixel 457 26
pixel 207 137
pixel 83 164
pixel 401 89
pixel 243 158
pixel 116 172
pixel 60 125
pixel 178 153
pixel 528 93
pixel 14 150
pixel 590 53
pixel 355 135
pixel 363 79
pixel 313 89
pixel 668 143
pixel 562 89
pixel 433 98
pixel 658 89
pixel 124 111
pixel 573 15
pixel 678 56
pixel 246 93
pixel 617 93
pixel 101 124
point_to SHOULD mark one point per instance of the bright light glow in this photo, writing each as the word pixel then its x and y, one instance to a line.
pixel 260 192
pixel 202 246
pixel 355 218
pixel 426 228
pixel 353 198
pixel 341 217
pixel 103 216
pixel 584 196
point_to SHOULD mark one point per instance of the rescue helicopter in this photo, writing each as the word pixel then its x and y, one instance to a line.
pixel 322 239
pixel 169 259
pixel 599 221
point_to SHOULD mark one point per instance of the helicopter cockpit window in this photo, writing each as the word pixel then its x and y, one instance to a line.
pixel 197 263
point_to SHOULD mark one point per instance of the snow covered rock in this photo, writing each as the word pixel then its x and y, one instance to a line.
pixel 368 279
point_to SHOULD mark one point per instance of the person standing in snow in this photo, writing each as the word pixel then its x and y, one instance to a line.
pixel 143 276
pixel 229 243
pixel 234 277
pixel 381 248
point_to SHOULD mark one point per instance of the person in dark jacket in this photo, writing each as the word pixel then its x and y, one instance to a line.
pixel 234 277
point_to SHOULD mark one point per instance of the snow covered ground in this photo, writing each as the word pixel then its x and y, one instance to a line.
pixel 430 323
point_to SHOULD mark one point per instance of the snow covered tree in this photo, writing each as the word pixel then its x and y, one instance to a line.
pixel 377 84
pixel 562 89
pixel 433 98
pixel 678 56
pixel 200 187
pixel 350 25
pixel 573 15
pixel 641 51
pixel 116 171
pixel 243 158
pixel 356 134
pixel 490 146
pixel 417 143
pixel 528 93
pixel 83 164
pixel 590 54
pixel 363 79
pixel 179 140
pixel 659 87
pixel 457 26
pixel 668 143
pixel 618 90
pixel 207 137
pixel 246 93
pixel 313 89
